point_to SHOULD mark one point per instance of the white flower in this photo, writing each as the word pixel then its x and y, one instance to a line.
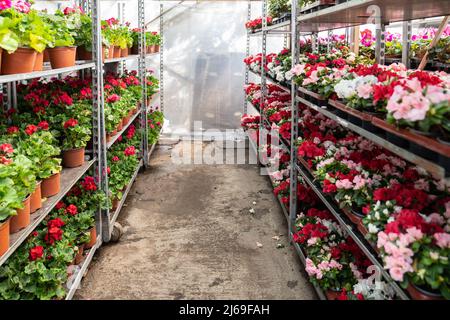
pixel 373 228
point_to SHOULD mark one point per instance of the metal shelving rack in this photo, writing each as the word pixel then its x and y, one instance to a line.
pixel 345 15
pixel 98 159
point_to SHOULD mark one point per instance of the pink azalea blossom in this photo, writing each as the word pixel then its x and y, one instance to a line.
pixel 442 240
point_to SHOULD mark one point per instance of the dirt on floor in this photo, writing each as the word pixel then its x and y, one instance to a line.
pixel 198 232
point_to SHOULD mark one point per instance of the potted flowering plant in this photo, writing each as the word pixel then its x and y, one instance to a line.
pixel 63 50
pixel 279 9
pixel 41 150
pixel 22 173
pixel 11 202
pixel 83 36
pixel 24 35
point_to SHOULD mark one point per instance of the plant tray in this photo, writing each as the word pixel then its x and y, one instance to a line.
pixel 426 142
pixel 341 106
pixel 314 95
pixel 304 163
pixel 317 5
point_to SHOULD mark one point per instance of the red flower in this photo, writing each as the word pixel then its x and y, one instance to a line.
pixel 309 149
pixel 60 205
pixel 115 158
pixel 34 233
pixel 72 210
pixel 130 151
pixel 55 223
pixel 30 129
pixel 113 98
pixel 70 123
pixel 328 187
pixel 6 148
pixel 108 170
pixel 89 184
pixel 12 130
pixel 36 253
pixel 43 125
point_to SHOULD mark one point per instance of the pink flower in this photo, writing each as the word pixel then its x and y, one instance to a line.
pixel 364 90
pixel 344 184
pixel 22 6
pixel 5 4
pixel 442 240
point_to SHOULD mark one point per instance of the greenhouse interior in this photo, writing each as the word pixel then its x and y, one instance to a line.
pixel 225 150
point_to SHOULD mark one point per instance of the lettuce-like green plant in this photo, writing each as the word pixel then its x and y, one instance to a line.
pixel 40 148
pixel 10 200
pixel 22 173
pixel 24 30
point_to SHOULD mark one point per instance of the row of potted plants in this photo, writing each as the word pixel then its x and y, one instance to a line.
pixel 381 92
pixel 389 201
pixel 123 160
pixel 30 37
pixel 123 94
pixel 334 262
pixel 356 173
pixel 45 265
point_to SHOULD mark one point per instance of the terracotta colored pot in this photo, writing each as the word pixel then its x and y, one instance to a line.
pixel 135 49
pixel 22 219
pixel 114 133
pixel 332 295
pixel 117 52
pixel 4 236
pixel 108 138
pixel 46 56
pixel 20 61
pixel 115 204
pixel 157 48
pixel 83 54
pixel 119 126
pixel 110 54
pixel 51 185
pixel 420 294
pixel 148 49
pixel 36 199
pixel 39 62
pixel 79 256
pixel 93 240
pixel 62 57
pixel 352 216
pixel 124 52
pixel 73 158
pixel 125 121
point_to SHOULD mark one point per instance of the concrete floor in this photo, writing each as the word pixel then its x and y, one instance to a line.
pixel 189 234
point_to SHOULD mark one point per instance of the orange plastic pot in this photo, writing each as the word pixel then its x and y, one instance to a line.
pixel 115 204
pixel 22 219
pixel 117 52
pixel 110 54
pixel 125 121
pixel 62 57
pixel 20 61
pixel 36 199
pixel 39 62
pixel 84 54
pixel 4 236
pixel 79 257
pixel 51 185
pixel 73 158
pixel 119 126
pixel 420 294
pixel 124 52
pixel 46 56
pixel 93 233
pixel 157 48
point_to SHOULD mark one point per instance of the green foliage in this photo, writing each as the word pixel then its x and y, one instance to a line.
pixel 10 200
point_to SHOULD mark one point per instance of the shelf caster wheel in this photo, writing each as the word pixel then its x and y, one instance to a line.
pixel 117 232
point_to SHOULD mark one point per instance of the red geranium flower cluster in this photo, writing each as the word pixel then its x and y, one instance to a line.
pixel 310 230
pixel 309 149
pixel 54 231
pixel 130 151
pixel 89 184
pixel 36 253
pixel 70 123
